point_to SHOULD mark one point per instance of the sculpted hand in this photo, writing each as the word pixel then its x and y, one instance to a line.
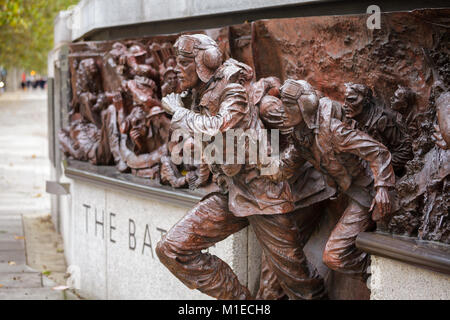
pixel 135 135
pixel 381 203
pixel 191 179
pixel 171 102
pixel 438 138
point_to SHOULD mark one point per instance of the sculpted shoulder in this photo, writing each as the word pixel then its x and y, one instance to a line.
pixel 234 90
pixel 234 71
pixel 334 108
pixel 228 82
pixel 338 127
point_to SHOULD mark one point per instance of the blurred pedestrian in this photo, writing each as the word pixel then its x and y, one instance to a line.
pixel 28 81
pixel 24 80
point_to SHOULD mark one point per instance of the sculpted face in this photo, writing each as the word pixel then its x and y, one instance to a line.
pixel 186 72
pixel 92 69
pixel 354 103
pixel 171 79
pixel 138 127
pixel 399 101
pixel 279 114
pixel 89 64
pixel 293 115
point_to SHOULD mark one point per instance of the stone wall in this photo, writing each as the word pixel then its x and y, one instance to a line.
pixel 394 280
pixel 110 236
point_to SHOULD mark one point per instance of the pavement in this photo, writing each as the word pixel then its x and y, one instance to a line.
pixel 27 236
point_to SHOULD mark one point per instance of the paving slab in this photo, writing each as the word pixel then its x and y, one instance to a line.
pixel 6 224
pixel 44 245
pixel 14 268
pixel 8 216
pixel 21 280
pixel 11 229
pixel 8 236
pixel 18 256
pixel 11 244
pixel 31 294
pixel 46 262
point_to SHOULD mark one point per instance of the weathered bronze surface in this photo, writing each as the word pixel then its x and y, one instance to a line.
pixel 364 138
pixel 322 138
pixel 365 113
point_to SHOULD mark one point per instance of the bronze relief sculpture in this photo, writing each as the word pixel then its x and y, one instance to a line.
pixel 93 135
pixel 224 104
pixel 90 98
pixel 337 150
pixel 365 113
pixel 364 134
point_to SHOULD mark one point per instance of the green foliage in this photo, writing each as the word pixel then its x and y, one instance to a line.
pixel 26 32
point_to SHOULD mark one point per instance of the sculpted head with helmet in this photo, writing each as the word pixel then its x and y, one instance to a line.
pixel 198 57
pixel 298 104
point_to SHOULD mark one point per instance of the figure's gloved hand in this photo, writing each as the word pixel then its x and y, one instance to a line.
pixel 171 103
pixel 381 204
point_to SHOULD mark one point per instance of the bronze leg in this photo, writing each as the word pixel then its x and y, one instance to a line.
pixel 340 252
pixel 269 286
pixel 278 236
pixel 306 220
pixel 180 250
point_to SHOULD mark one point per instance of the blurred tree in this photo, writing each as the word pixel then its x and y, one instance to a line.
pixel 26 32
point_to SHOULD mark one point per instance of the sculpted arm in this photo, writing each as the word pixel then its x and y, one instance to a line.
pixel 345 139
pixel 146 160
pixel 289 162
pixel 233 107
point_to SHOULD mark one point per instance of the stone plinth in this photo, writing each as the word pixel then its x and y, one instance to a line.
pixel 395 280
pixel 110 238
